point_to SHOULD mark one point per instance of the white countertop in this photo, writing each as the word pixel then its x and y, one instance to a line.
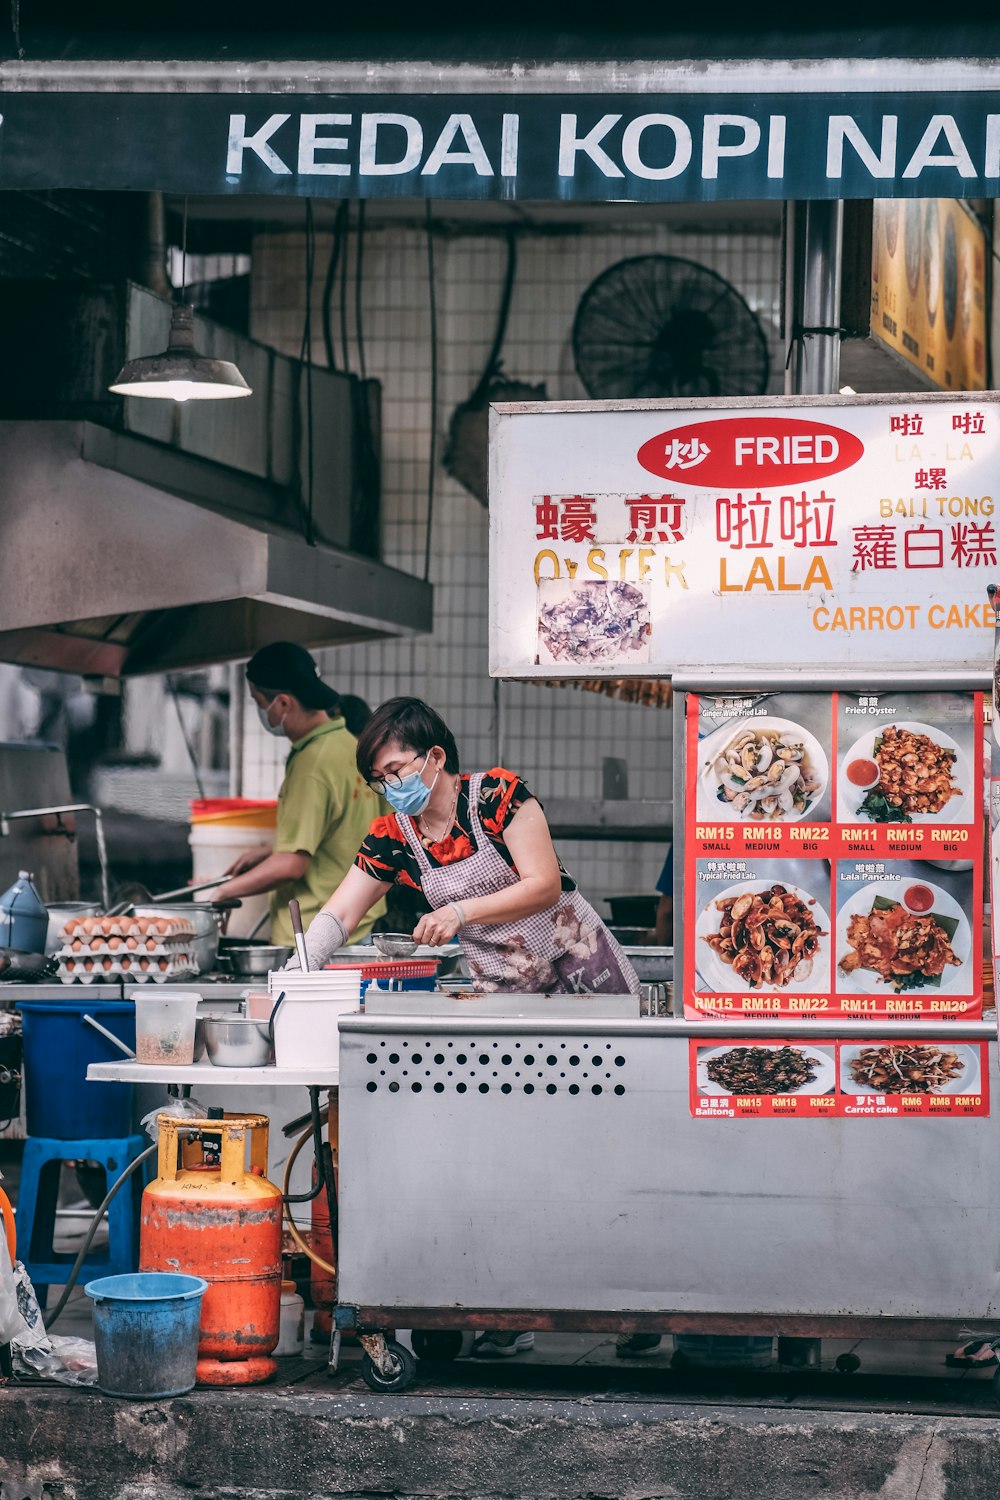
pixel 206 1072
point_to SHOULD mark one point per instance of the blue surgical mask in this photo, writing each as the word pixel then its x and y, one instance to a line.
pixel 413 795
pixel 277 730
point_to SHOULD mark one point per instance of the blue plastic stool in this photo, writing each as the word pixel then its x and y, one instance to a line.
pixel 36 1209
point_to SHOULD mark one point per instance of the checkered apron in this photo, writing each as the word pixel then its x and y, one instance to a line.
pixel 565 949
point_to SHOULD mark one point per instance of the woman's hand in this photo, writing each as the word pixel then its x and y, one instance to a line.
pixel 438 927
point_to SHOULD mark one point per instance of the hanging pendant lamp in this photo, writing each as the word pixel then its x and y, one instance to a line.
pixel 180 373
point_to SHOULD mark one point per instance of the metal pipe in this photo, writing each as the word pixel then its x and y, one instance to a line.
pixel 816 230
pixel 57 812
pixel 154 255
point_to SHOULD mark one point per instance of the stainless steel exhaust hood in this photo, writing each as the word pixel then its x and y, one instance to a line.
pixel 119 557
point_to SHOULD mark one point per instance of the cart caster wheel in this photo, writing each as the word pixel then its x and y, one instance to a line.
pixel 402 1370
pixel 438 1346
pixel 847 1363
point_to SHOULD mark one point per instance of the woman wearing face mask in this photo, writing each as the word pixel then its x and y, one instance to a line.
pixel 479 849
pixel 324 806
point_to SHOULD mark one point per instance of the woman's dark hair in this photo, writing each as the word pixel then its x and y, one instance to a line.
pixel 410 722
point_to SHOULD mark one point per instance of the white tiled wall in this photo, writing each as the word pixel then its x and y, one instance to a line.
pixel 556 738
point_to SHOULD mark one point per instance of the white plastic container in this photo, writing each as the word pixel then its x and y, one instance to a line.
pixel 292 1337
pixel 213 849
pixel 306 1015
pixel 165 1024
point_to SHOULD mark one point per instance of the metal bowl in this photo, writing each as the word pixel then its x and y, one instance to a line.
pixel 237 1042
pixel 253 960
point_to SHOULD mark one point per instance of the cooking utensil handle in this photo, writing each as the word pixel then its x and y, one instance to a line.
pixel 110 1036
pixel 295 912
pixel 189 890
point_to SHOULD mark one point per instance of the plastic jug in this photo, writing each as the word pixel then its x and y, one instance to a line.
pixel 24 920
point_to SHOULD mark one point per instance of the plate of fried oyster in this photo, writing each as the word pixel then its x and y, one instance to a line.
pixel 883 945
pixel 923 777
pixel 761 935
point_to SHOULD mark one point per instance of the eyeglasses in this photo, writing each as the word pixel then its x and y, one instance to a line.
pixel 393 778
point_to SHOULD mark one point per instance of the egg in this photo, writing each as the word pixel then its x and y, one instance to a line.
pixel 114 944
pixel 107 963
pixel 163 964
pixel 77 944
pixel 131 942
pixel 88 963
pixel 107 925
pixel 143 924
pixel 144 963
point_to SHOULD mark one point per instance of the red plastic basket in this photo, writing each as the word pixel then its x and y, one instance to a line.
pixel 394 968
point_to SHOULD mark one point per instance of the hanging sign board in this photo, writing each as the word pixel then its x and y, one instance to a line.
pixel 688 134
pixel 833 855
pixel 849 535
pixel 929 289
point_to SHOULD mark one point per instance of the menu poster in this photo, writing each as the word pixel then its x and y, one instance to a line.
pixel 994 805
pixel 833 855
pixel 881 1079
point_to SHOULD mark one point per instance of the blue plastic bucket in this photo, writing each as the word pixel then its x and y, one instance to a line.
pixel 58 1047
pixel 146 1332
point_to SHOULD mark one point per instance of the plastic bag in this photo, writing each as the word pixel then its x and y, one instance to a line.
pixel 10 1315
pixel 181 1109
pixel 68 1360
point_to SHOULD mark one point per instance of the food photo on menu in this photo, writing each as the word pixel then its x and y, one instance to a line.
pixel 764 758
pixel 592 621
pixel 904 925
pixel 766 1068
pixel 766 929
pixel 906 758
pixel 908 1067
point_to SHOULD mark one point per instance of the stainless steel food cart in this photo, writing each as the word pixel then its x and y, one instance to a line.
pixel 534 1169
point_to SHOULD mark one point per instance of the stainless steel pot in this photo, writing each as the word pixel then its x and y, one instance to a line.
pixel 206 921
pixel 237 1042
pixel 253 960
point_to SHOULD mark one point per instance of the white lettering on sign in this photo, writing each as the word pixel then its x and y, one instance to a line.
pixel 571 144
pixel 509 131
pixel 712 149
pixel 474 154
pixel 682 147
pixel 239 142
pixel 797 449
pixel 368 162
pixel 310 141
pixel 924 156
pixel 846 128
pixel 776 146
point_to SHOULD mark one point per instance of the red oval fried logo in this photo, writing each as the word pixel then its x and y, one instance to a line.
pixel 752 451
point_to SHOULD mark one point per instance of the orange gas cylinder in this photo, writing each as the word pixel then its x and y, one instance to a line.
pixel 220 1219
pixel 322 1285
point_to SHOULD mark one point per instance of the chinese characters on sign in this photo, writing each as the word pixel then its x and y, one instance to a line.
pixel 863 532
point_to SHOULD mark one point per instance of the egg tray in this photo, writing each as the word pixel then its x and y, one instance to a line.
pixel 178 966
pixel 89 929
pixel 153 947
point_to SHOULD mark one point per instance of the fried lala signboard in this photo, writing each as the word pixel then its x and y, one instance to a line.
pixel 642 539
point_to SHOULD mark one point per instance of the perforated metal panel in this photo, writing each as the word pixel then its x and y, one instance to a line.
pixel 509 1067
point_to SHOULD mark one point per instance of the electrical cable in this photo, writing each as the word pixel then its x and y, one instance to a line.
pixel 293 1229
pixel 307 341
pixel 49 1318
pixel 336 248
pixel 432 454
pixel 344 342
pixel 359 252
pixel 184 735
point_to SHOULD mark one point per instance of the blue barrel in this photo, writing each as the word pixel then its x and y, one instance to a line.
pixel 58 1047
pixel 146 1333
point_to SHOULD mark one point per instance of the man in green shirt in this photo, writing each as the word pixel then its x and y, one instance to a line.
pixel 325 808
